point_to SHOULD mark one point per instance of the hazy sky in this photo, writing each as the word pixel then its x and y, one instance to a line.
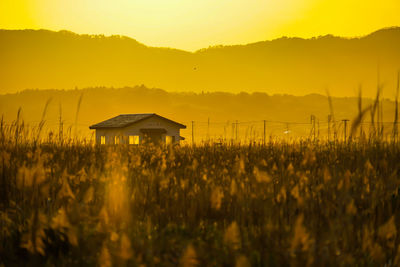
pixel 190 24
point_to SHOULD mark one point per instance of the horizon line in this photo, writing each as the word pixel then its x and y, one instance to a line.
pixel 210 46
pixel 142 86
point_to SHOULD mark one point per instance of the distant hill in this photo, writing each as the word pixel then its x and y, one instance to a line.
pixel 222 109
pixel 46 59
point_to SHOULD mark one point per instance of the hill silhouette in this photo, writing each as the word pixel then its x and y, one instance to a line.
pixel 221 108
pixel 46 59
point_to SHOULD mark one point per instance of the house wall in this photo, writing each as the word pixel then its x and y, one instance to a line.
pixel 134 129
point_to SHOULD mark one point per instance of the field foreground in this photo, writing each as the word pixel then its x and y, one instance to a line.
pixel 329 204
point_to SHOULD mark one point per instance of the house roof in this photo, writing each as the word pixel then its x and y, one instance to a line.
pixel 124 120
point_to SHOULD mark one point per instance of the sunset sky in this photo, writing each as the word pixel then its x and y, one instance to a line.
pixel 190 25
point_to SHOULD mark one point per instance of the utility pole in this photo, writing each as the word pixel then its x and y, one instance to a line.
pixel 396 114
pixel 345 129
pixel 192 132
pixel 313 127
pixel 287 130
pixel 208 129
pixel 237 124
pixel 264 132
pixel 233 133
pixel 61 127
pixel 225 133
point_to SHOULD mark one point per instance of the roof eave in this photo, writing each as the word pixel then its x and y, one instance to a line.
pixel 103 127
pixel 171 121
pixel 181 126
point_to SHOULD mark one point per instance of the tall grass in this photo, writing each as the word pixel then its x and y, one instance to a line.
pixel 299 203
pixel 65 201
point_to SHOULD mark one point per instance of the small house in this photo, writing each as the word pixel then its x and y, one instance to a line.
pixel 137 129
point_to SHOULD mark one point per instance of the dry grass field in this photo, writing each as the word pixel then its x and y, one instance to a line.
pixel 67 202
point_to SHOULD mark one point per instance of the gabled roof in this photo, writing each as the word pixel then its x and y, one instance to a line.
pixel 124 120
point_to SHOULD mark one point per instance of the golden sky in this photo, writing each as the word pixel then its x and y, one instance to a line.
pixel 194 24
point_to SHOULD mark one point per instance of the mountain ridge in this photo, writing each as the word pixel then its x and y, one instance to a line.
pixel 287 65
pixel 284 37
